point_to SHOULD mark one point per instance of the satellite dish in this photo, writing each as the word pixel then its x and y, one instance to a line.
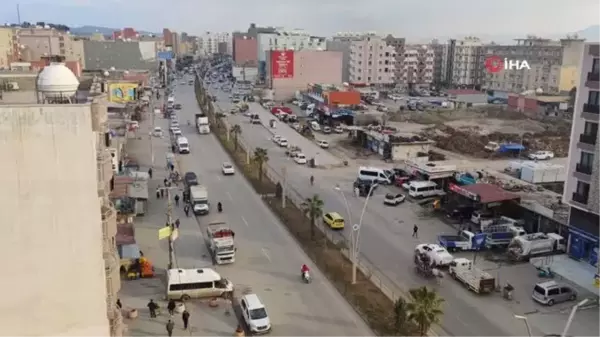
pixel 106 73
pixel 539 91
pixel 112 68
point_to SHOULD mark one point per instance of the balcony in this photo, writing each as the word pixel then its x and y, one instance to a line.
pixel 591 108
pixel 104 165
pixel 113 275
pixel 585 169
pixel 582 199
pixel 115 320
pixel 109 221
pixel 588 138
pixel 593 80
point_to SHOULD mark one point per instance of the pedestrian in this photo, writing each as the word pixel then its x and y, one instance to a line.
pixel 165 181
pixel 356 192
pixel 171 307
pixel 186 319
pixel 171 166
pixel 177 200
pixel 158 192
pixel 177 223
pixel 152 307
pixel 150 172
pixel 415 232
pixel 186 210
pixel 162 193
pixel 170 325
pixel 119 305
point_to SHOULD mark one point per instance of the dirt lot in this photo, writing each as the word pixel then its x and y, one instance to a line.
pixel 469 130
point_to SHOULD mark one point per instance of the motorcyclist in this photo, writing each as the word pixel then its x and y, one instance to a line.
pixel 304 269
pixel 219 207
pixel 312 180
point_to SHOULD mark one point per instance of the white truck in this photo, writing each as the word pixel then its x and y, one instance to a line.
pixel 479 281
pixel 199 199
pixel 524 247
pixel 221 242
pixel 202 124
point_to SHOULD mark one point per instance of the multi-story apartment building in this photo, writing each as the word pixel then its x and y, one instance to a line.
pixel 438 60
pixel 126 34
pixel 463 63
pixel 245 50
pixel 208 43
pixel 398 43
pixel 32 44
pixel 582 184
pixel 414 68
pixel 6 47
pixel 372 61
pixel 168 37
pixel 58 164
pixel 287 39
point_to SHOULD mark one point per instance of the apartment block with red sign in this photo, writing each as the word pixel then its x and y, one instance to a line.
pixel 289 71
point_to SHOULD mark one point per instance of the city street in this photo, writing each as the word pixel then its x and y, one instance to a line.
pixel 386 242
pixel 268 260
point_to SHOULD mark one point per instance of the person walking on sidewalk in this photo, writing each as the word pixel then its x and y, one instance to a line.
pixel 152 307
pixel 177 223
pixel 171 307
pixel 415 231
pixel 185 316
pixel 150 172
pixel 165 181
pixel 177 200
pixel 170 326
pixel 162 193
pixel 186 210
pixel 158 192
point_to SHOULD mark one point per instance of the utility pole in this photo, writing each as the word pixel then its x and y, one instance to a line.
pixel 169 214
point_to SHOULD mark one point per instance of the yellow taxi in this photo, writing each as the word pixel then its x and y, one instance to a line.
pixel 334 220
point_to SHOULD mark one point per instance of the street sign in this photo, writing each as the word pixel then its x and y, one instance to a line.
pixel 165 55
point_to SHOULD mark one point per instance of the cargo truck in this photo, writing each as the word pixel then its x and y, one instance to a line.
pixel 479 281
pixel 202 124
pixel 221 242
pixel 490 237
pixel 199 199
pixel 524 247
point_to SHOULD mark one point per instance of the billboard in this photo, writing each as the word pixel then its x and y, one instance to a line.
pixel 165 55
pixel 122 92
pixel 282 63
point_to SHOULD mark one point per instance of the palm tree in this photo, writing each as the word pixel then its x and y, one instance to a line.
pixel 260 158
pixel 402 323
pixel 313 207
pixel 425 308
pixel 236 130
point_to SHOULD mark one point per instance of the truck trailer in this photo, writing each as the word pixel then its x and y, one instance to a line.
pixel 524 247
pixel 202 124
pixel 199 199
pixel 221 242
pixel 464 271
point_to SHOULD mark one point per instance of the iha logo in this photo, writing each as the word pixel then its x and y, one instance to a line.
pixel 494 64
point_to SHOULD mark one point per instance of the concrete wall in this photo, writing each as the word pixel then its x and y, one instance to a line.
pixel 310 66
pixel 344 48
pixel 54 277
pixel 148 50
pixel 246 50
pixel 408 151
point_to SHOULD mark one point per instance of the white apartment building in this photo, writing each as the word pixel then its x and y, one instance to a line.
pixel 372 61
pixel 287 39
pixel 414 68
pixel 463 62
pixel 581 191
pixel 208 43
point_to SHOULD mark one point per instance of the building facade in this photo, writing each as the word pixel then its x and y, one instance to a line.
pixel 33 44
pixel 126 34
pixel 582 184
pixel 291 71
pixel 414 68
pixel 372 61
pixel 167 37
pixel 463 63
pixel 398 43
pixel 245 50
pixel 287 39
pixel 7 45
pixel 438 60
pixel 208 42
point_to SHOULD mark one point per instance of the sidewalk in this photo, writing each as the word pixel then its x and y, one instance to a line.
pixel 190 252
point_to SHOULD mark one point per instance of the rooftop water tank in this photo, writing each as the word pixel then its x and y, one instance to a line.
pixel 56 80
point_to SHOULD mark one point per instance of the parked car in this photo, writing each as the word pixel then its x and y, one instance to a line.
pixel 255 314
pixel 276 139
pixel 551 292
pixel 227 169
pixel 393 199
pixel 323 144
pixel 326 129
pixel 300 158
pixel 338 129
pixel 541 155
pixel 282 142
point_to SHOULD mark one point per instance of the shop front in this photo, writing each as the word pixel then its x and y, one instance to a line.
pixel 486 198
pixel 583 236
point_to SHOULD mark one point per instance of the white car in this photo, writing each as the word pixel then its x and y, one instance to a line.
pixel 338 129
pixel 174 124
pixel 255 314
pixel 393 199
pixel 228 169
pixel 157 132
pixel 276 139
pixel 283 142
pixel 300 158
pixel 438 254
pixel 177 132
pixel 323 144
pixel 541 155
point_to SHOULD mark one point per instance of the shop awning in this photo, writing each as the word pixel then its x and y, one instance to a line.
pixel 488 193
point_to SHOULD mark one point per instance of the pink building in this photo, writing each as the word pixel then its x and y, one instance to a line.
pixel 289 71
pixel 245 51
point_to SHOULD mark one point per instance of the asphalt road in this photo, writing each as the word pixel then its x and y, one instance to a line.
pixel 268 259
pixel 385 238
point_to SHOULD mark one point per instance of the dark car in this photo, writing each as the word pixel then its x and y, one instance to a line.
pixel 177 106
pixel 364 186
pixel 190 178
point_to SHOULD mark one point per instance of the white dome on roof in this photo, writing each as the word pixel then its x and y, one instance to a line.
pixel 57 80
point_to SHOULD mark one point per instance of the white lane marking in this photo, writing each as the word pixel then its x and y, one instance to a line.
pixel 229 196
pixel 266 254
pixel 245 222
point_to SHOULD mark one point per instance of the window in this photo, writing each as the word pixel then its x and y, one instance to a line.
pixel 370 63
pixel 583 189
pixel 191 286
pixel 593 97
pixel 586 159
pixel 552 292
pixel 590 129
pixel 369 78
pixel 596 66
pixel 379 78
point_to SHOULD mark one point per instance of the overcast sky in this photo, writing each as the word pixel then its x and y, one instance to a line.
pixel 415 20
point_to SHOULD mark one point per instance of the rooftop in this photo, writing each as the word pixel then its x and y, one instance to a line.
pixel 552 99
pixel 489 193
pixel 464 92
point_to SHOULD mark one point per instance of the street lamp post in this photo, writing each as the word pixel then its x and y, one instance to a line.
pixel 170 222
pixel 572 316
pixel 354 238
pixel 524 319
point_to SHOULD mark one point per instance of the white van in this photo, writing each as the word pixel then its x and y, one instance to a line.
pixel 185 284
pixel 171 99
pixel 183 146
pixel 373 173
pixel 424 189
pixel 315 126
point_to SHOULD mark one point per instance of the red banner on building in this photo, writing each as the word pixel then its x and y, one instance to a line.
pixel 282 63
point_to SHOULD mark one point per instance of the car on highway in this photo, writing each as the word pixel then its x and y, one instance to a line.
pixel 300 158
pixel 174 123
pixel 157 132
pixel 323 144
pixel 177 106
pixel 438 254
pixel 333 220
pixel 276 139
pixel 190 178
pixel 255 314
pixel 282 142
pixel 296 126
pixel 176 132
pixel 393 199
pixel 541 155
pixel 227 169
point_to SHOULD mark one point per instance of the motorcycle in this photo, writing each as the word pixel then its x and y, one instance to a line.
pixel 219 207
pixel 306 277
